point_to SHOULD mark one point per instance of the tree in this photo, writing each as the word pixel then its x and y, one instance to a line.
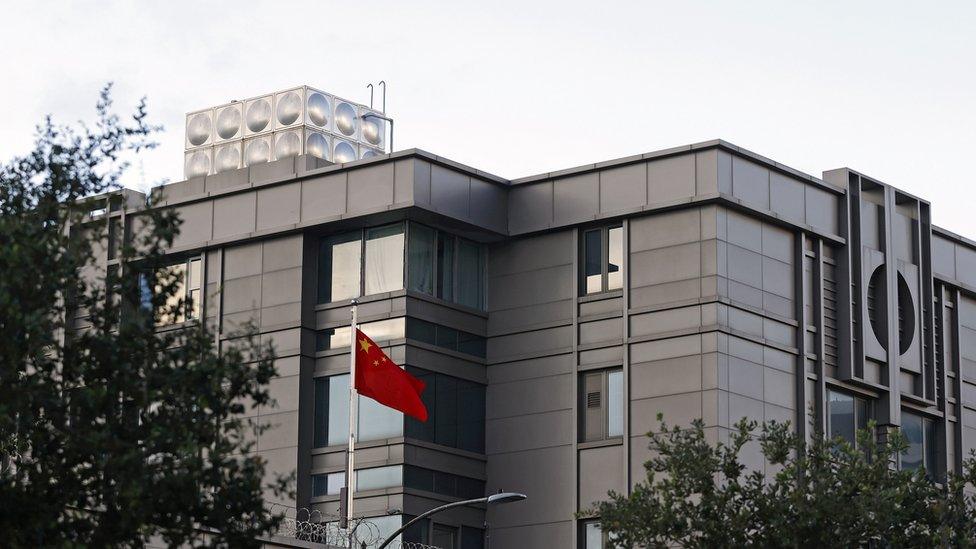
pixel 112 431
pixel 823 494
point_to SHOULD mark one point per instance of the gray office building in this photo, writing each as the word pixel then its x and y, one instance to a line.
pixel 553 317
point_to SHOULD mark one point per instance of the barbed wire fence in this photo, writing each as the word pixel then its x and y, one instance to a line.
pixel 318 527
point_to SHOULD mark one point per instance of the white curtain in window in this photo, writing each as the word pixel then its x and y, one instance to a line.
pixel 384 259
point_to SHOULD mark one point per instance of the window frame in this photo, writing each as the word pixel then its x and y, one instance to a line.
pixel 855 398
pixel 438 429
pixel 192 307
pixel 929 450
pixel 321 415
pixel 605 421
pixel 604 231
pixel 435 266
pixel 604 541
pixel 362 232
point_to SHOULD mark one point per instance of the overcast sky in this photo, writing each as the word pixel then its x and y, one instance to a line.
pixel 518 88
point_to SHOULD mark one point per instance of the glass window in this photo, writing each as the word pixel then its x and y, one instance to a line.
pixel 445 267
pixel 446 399
pixel 114 237
pixel 446 337
pixel 380 330
pixel 457 412
pixel 615 259
pixel 340 263
pixel 593 537
pixel 378 478
pixel 384 259
pixel 841 420
pixel 846 414
pixel 601 405
pixel 376 422
pixel 442 483
pixel 470 274
pixel 420 261
pixel 444 537
pixel 593 262
pixel 184 302
pixel 418 532
pixel 602 260
pixel 920 433
pixel 472 538
pixel 328 484
pixel 193 282
pixel 615 403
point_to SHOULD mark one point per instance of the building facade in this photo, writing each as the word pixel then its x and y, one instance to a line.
pixel 553 317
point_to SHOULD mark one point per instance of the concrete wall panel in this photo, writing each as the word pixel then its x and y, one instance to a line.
pixel 323 197
pixel 234 215
pixel 671 179
pixel 279 206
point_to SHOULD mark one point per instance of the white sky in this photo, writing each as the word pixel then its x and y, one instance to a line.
pixel 518 88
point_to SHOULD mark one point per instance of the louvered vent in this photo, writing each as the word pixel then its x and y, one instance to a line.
pixel 830 314
pixel 593 399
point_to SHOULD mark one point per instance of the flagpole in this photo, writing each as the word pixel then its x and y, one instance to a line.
pixel 353 424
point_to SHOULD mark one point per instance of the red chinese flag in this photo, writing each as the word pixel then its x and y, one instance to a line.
pixel 382 380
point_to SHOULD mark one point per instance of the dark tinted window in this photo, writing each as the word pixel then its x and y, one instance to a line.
pixel 457 412
pixel 446 337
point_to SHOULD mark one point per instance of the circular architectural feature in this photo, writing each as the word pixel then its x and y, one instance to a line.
pixel 229 123
pixel 288 145
pixel 344 152
pixel 317 146
pixel 227 158
pixel 197 165
pixel 877 308
pixel 906 316
pixel 370 153
pixel 289 108
pixel 372 130
pixel 318 109
pixel 258 115
pixel 257 151
pixel 345 118
pixel 198 129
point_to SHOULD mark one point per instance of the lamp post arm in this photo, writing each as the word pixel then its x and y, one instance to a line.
pixel 433 511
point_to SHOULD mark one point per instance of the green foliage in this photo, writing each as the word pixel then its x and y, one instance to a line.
pixel 111 431
pixel 824 494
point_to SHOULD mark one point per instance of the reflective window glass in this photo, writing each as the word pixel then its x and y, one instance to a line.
pixel 457 412
pixel 445 267
pixel 841 418
pixel 593 262
pixel 615 403
pixel 444 537
pixel 601 404
pixel 384 259
pixel 615 251
pixel 913 429
pixel 470 274
pixel 378 478
pixel 593 537
pixel 380 330
pixel 376 422
pixel 339 267
pixel 420 260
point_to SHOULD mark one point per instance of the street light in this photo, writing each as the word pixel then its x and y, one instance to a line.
pixel 494 499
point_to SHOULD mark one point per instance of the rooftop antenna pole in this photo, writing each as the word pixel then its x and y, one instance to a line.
pixel 370 86
pixel 382 83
